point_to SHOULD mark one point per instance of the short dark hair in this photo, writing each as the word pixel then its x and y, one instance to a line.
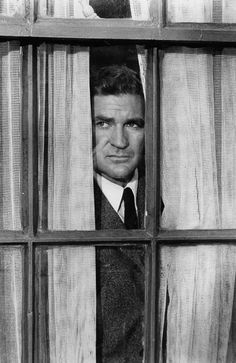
pixel 115 80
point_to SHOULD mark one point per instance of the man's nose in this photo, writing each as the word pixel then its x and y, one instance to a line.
pixel 119 138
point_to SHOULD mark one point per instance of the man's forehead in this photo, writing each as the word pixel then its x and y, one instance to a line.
pixel 122 102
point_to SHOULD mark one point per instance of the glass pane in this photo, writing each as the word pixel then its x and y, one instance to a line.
pixel 201 11
pixel 198 138
pixel 82 177
pixel 11 136
pixel 90 304
pixel 94 9
pixel 12 7
pixel 11 304
pixel 197 303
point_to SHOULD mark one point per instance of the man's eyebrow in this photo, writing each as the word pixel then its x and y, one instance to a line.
pixel 103 118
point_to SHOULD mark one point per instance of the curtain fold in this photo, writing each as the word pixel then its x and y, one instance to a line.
pixel 72 309
pixel 11 259
pixel 190 11
pixel 228 11
pixel 199 282
pixel 198 139
pixel 11 304
pixel 12 7
pixel 140 10
pixel 189 185
pixel 197 290
pixel 11 139
pixel 66 200
pixel 228 144
pixel 202 11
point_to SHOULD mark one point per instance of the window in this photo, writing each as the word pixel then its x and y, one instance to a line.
pixel 58 273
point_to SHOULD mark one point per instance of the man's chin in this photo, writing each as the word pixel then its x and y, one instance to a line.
pixel 119 178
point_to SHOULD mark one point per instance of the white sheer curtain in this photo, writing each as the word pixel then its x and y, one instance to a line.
pixel 197 301
pixel 228 11
pixel 65 141
pixel 189 178
pixel 65 163
pixel 190 10
pixel 140 10
pixel 199 191
pixel 10 142
pixel 66 119
pixel 11 304
pixel 11 259
pixel 12 7
pixel 203 11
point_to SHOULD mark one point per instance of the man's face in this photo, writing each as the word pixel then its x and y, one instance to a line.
pixel 119 135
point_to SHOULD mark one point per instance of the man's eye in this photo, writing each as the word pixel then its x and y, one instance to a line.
pixel 102 124
pixel 135 125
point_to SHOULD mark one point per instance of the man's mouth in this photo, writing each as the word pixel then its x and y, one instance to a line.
pixel 118 158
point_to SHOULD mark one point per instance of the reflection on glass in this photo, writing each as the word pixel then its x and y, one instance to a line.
pixel 202 11
pixel 198 139
pixel 94 9
pixel 90 306
pixel 11 303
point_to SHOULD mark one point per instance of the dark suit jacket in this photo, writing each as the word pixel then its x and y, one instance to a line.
pixel 120 285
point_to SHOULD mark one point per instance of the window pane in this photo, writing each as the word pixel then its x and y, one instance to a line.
pixel 11 303
pixel 198 138
pixel 201 11
pixel 197 303
pixel 81 316
pixel 12 7
pixel 94 9
pixel 11 136
pixel 81 177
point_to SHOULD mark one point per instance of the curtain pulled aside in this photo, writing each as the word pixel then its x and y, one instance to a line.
pixel 197 290
pixel 11 259
pixel 66 199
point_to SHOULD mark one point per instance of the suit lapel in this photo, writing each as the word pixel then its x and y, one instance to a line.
pixel 105 216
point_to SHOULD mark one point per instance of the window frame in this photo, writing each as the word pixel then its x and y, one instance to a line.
pixel 30 30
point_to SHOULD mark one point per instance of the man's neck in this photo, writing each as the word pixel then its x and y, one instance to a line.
pixel 119 182
pixel 114 192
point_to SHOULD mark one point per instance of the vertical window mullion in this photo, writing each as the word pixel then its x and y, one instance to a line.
pixel 30 200
pixel 152 144
pixel 152 147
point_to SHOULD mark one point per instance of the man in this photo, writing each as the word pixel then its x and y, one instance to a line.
pixel 118 123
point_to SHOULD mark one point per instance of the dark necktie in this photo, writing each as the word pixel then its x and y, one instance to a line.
pixel 130 218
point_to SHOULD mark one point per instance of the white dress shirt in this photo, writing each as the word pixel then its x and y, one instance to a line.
pixel 114 192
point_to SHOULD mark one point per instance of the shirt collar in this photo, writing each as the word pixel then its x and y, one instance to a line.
pixel 114 192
